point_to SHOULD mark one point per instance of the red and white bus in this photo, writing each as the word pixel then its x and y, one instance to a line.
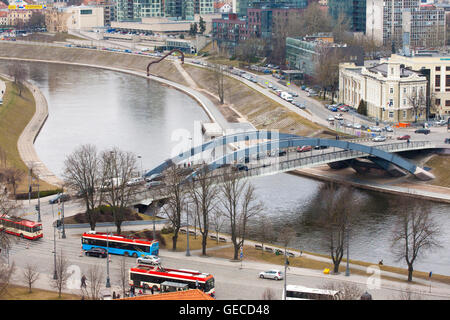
pixel 21 227
pixel 145 276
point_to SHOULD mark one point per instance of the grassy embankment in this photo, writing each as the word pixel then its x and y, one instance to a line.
pixel 261 111
pixel 440 165
pixel 15 113
pixel 51 37
pixel 21 293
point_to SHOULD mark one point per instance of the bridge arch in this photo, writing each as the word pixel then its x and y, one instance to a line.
pixel 221 141
pixel 299 141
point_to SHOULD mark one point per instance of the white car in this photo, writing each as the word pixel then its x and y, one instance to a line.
pixel 330 118
pixel 149 260
pixel 271 274
pixel 356 126
pixel 375 129
pixel 379 139
pixel 339 117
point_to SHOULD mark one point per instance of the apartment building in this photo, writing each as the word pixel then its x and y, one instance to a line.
pixel 392 92
pixel 353 10
pixel 405 22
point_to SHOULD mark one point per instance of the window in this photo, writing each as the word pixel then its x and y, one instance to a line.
pixel 447 68
pixel 447 103
pixel 438 102
pixel 437 81
pixel 438 68
pixel 447 80
pixel 404 114
pixel 86 11
pixel 391 114
pixel 391 90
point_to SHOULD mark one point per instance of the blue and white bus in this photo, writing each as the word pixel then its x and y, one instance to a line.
pixel 121 245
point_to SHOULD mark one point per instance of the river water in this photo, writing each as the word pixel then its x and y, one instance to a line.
pixel 113 109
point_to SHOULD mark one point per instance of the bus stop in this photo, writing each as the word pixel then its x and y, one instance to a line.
pixel 169 286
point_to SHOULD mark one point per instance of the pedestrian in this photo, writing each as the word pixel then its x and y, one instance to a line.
pixel 151 289
pixel 83 281
pixel 114 295
pixel 143 289
pixel 407 141
pixel 380 262
pixel 118 296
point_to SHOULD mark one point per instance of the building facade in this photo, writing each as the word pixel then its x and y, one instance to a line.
pixel 405 22
pixel 436 67
pixel 353 10
pixel 391 91
pixel 304 53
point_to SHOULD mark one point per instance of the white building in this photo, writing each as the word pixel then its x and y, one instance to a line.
pixel 85 17
pixel 392 92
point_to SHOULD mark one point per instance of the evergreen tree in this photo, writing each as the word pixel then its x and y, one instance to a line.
pixel 362 108
pixel 202 25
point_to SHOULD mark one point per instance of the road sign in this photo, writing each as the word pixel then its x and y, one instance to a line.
pixel 242 252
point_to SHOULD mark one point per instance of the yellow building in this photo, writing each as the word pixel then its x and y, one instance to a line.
pixel 392 92
pixel 18 16
pixel 438 67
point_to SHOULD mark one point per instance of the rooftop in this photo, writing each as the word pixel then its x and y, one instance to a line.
pixel 193 294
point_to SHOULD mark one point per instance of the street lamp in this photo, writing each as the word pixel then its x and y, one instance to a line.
pixel 142 171
pixel 39 203
pixel 108 283
pixel 187 230
pixel 62 218
pixel 55 274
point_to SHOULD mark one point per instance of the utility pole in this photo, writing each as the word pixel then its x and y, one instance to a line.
pixel 286 262
pixel 108 283
pixel 347 270
pixel 55 274
pixel 62 219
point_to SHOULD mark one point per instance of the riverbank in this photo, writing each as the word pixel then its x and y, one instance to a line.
pixel 19 124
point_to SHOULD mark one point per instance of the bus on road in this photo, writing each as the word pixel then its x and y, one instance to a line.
pixel 303 293
pixel 144 276
pixel 121 245
pixel 21 227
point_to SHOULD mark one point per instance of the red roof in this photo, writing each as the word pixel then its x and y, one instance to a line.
pixel 3 13
pixel 193 294
pixel 3 5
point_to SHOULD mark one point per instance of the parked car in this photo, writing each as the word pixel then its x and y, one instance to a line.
pixel 330 118
pixel 379 138
pixel 96 252
pixel 447 140
pixel 271 274
pixel 294 94
pixel 364 127
pixel 343 108
pixel 405 137
pixel 388 129
pixel 349 125
pixel 61 197
pixel 150 259
pixel 304 148
pixel 339 116
pixel 424 131
pixel 440 123
pixel 356 126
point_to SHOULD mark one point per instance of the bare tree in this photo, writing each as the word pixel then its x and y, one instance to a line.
pixel 203 194
pixel 268 294
pixel 177 197
pixel 327 69
pixel 219 81
pixel 13 177
pixel 238 200
pixel 17 71
pixel 123 275
pixel 30 275
pixel 348 290
pixel 6 273
pixel 415 231
pixel 417 100
pixel 264 230
pixel 217 221
pixel 337 208
pixel 119 167
pixel 61 268
pixel 82 174
pixel 95 276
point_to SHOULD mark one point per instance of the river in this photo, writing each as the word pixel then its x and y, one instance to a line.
pixel 113 109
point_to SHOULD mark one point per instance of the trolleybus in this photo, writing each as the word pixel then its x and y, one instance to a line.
pixel 294 292
pixel 121 245
pixel 144 276
pixel 21 227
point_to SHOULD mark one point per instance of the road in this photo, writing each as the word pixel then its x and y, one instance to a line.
pixel 232 281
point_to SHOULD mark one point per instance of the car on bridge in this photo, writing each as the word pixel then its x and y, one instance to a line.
pixel 320 147
pixel 405 137
pixel 379 138
pixel 153 184
pixel 304 148
pixel 423 131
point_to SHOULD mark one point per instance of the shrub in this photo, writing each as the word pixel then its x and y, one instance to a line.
pixel 167 230
pixel 34 194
